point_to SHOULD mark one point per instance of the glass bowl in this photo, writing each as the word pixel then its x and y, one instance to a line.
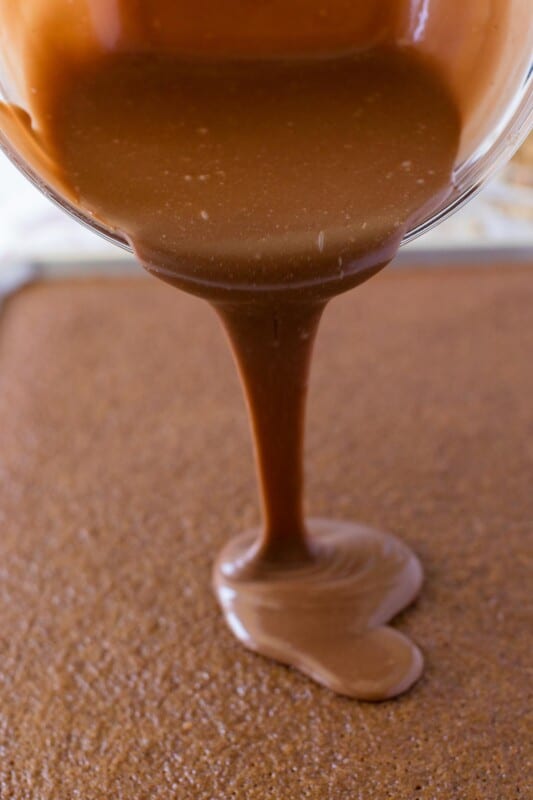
pixel 450 31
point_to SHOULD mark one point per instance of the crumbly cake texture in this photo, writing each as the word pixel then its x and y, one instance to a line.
pixel 125 464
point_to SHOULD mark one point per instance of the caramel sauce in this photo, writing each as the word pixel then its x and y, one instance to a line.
pixel 264 169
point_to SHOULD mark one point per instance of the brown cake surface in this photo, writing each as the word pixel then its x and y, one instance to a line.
pixel 125 464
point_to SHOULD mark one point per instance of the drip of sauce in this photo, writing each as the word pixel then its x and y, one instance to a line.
pixel 266 183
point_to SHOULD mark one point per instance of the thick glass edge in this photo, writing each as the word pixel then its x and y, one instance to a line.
pixel 85 220
pixel 472 175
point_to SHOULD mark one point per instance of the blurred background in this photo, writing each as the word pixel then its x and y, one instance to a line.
pixel 34 230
